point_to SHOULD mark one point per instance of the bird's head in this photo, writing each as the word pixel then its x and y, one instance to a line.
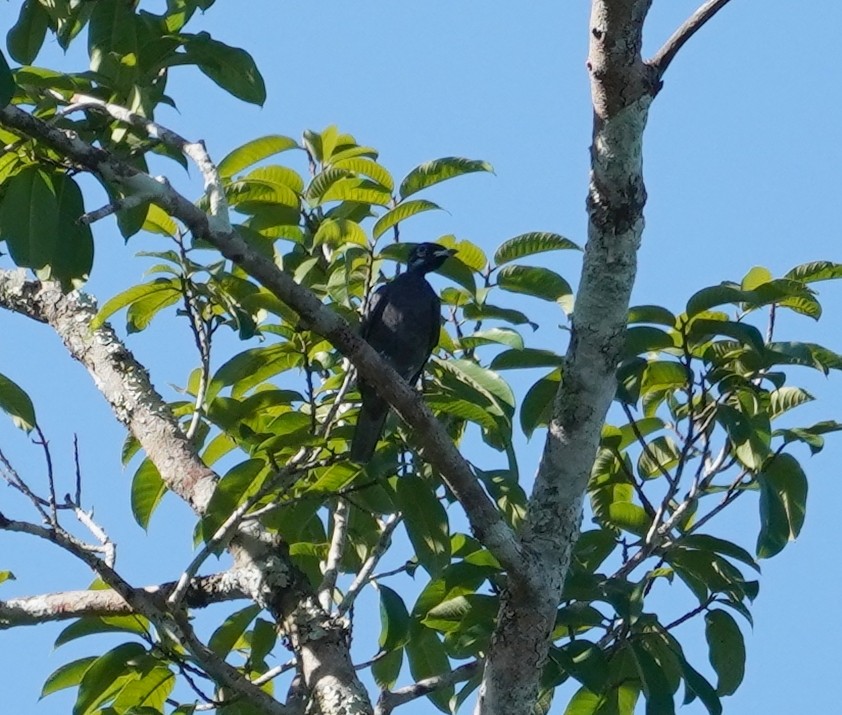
pixel 426 257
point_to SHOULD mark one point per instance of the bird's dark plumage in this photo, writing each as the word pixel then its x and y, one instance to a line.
pixel 402 323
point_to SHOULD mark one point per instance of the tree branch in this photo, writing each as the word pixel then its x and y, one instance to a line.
pixel 663 57
pixel 33 610
pixel 390 699
pixel 486 521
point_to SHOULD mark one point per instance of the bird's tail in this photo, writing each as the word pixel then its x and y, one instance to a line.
pixel 368 430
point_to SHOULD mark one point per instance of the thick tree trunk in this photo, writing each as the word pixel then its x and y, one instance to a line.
pixel 622 92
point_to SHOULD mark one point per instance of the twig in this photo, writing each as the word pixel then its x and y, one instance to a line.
pixel 690 614
pixel 48 458
pixel 691 26
pixel 334 554
pixel 78 492
pixel 121 204
pixel 364 575
pixel 390 699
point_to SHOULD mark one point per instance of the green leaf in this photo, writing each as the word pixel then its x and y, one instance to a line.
pixel 645 339
pixel 427 658
pixel 808 354
pixel 25 38
pixel 29 219
pixel 525 359
pixel 787 398
pixel 68 675
pixel 486 381
pixel 232 68
pixel 357 190
pixel 386 669
pixel 367 167
pixel 651 314
pixel 73 254
pixel 7 82
pixel 697 686
pixel 394 619
pixel 337 232
pixel 433 172
pixel 537 406
pixel 815 271
pixel 163 286
pixel 142 310
pixel 426 523
pixel 727 650
pixel 538 282
pixel 629 517
pixel 401 212
pixel 103 673
pixel 90 625
pixel 702 330
pixel 493 336
pixel 16 403
pixel 659 700
pixel 235 485
pixel 7 576
pixel 113 43
pixel 148 488
pixel 706 542
pixel 226 636
pixel 254 151
pixel 148 694
pixel 757 276
pixel 158 221
pixel 528 244
pixel 473 311
pixel 783 502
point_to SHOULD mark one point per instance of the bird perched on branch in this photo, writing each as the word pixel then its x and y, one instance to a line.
pixel 402 323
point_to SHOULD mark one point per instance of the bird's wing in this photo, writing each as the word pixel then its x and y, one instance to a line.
pixel 435 326
pixel 376 304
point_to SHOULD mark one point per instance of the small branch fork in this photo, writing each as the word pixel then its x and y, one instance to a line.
pixel 663 57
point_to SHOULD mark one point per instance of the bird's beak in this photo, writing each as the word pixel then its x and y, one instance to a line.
pixel 446 252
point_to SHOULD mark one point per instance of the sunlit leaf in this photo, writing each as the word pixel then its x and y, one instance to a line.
pixel 254 151
pixel 528 244
pixel 433 172
pixel 16 403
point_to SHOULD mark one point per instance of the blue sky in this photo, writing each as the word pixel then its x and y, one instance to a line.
pixel 742 168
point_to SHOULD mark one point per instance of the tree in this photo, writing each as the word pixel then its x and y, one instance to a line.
pixel 523 599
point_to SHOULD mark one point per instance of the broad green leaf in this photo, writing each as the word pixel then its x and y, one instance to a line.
pixel 225 637
pixel 102 675
pixel 815 271
pixel 16 403
pixel 89 625
pixel 808 354
pixel 337 232
pixel 426 523
pixel 374 171
pixel 584 702
pixel 463 409
pixel 357 190
pixel 147 694
pixel 528 244
pixel 702 330
pixel 783 502
pixel 428 658
pixel 537 406
pixel 158 221
pixel 254 151
pixel 164 286
pixel 661 455
pixel 330 479
pixel 629 517
pixel 394 619
pixel 787 398
pixel 538 282
pixel 473 311
pixel 727 651
pixel 68 675
pixel 401 212
pixel 697 686
pixel 485 380
pixel 659 700
pixel 811 436
pixel 468 253
pixel 757 276
pixel 646 339
pixel 651 314
pixel 113 43
pixel 29 219
pixel 663 375
pixel 251 195
pixel 706 542
pixel 7 576
pixel 73 255
pixel 251 367
pixel 749 430
pixel 433 172
pixel 25 38
pixel 142 310
pixel 148 488
pixel 386 669
pixel 231 68
pixel 235 485
pixel 525 358
pixel 493 336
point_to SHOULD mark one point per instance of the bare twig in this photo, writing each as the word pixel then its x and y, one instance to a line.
pixel 390 699
pixel 334 555
pixel 364 574
pixel 691 26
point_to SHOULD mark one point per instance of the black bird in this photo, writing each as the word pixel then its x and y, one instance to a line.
pixel 402 323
